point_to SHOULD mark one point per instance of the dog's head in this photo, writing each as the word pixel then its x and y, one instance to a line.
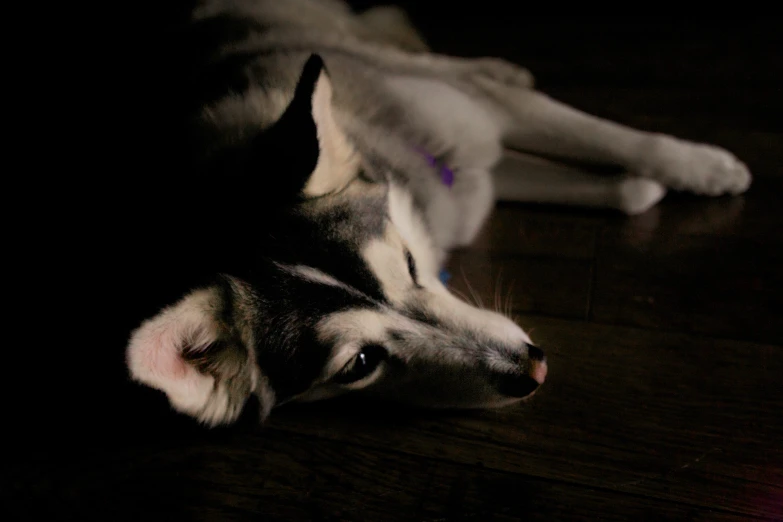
pixel 341 294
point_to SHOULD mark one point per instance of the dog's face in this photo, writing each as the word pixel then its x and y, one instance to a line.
pixel 345 298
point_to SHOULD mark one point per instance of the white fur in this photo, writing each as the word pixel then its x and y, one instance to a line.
pixel 702 169
pixel 386 258
pixel 154 353
pixel 313 274
pixel 491 324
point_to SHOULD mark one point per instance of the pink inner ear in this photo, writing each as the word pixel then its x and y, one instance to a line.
pixel 155 351
pixel 163 356
pixel 162 350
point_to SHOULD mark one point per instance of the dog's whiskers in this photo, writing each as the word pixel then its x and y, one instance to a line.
pixel 509 304
pixel 476 299
pixel 498 285
pixel 460 294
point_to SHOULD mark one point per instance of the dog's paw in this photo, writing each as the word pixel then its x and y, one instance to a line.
pixel 501 71
pixel 699 168
pixel 638 195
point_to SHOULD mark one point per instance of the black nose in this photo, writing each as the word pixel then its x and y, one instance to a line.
pixel 535 353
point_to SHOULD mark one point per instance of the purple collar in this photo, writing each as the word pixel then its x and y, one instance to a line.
pixel 446 174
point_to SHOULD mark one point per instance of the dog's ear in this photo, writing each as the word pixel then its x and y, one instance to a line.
pixel 338 161
pixel 202 365
pixel 306 142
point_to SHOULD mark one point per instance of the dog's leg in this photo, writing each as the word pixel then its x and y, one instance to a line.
pixel 524 178
pixel 537 124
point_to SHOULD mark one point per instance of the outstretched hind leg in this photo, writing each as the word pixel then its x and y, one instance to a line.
pixel 537 124
pixel 528 179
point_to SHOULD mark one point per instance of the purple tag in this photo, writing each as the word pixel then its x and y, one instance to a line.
pixel 447 176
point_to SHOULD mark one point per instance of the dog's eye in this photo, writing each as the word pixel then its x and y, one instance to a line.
pixel 363 364
pixel 412 267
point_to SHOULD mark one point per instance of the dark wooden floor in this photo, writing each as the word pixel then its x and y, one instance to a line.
pixel 664 334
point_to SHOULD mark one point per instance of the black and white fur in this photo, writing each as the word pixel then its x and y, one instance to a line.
pixel 319 229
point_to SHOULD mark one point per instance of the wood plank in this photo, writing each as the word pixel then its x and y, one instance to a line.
pixel 280 476
pixel 706 267
pixel 681 418
pixel 540 231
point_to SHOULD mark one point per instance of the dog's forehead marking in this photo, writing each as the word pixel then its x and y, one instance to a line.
pixel 314 275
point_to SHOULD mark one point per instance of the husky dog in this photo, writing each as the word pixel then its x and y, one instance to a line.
pixel 337 162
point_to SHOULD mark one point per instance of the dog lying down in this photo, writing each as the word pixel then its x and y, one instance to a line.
pixel 341 161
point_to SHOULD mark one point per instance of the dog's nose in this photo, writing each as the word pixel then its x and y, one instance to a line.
pixel 524 384
pixel 537 365
pixel 536 375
